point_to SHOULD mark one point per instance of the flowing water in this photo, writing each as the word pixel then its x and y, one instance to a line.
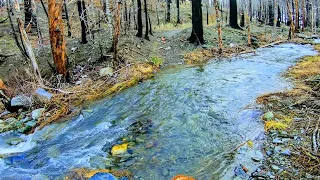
pixel 194 116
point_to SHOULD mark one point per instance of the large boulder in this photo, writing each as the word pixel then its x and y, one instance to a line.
pixel 21 101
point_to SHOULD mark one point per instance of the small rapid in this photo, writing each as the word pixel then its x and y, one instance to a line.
pixel 197 114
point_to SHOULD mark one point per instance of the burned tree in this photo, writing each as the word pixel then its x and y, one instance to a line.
pixel 58 44
pixel 82 16
pixel 197 25
pixel 233 20
pixel 139 17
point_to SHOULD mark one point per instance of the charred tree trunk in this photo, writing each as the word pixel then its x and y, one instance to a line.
pixel 178 12
pixel 279 17
pixel 81 10
pixel 146 36
pixel 297 16
pixel 271 13
pixel 242 20
pixel 233 19
pixel 168 11
pixel 197 25
pixel 139 34
pixel 303 15
pixel 67 17
pixel 58 44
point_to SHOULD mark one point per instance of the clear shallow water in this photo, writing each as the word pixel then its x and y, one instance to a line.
pixel 197 114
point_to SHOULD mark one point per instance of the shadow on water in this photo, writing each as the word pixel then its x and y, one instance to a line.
pixel 194 117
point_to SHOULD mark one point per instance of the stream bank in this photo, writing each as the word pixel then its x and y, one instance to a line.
pixel 292 125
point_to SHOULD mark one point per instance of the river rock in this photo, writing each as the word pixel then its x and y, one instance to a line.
pixel 277 149
pixel 268 116
pixel 165 172
pixel 275 167
pixel 286 152
pixel 14 141
pixel 97 162
pixel 277 141
pixel 21 100
pixel 35 114
pixel 103 176
pixel 43 93
pixel 31 123
pixel 108 71
pixel 119 149
pixel 40 177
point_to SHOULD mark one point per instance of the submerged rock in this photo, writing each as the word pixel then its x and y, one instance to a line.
pixel 119 149
pixel 14 141
pixel 40 177
pixel 286 152
pixel 103 176
pixel 277 141
pixel 275 167
pixel 35 114
pixel 238 171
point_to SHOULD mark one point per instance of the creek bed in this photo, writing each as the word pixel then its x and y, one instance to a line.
pixel 195 114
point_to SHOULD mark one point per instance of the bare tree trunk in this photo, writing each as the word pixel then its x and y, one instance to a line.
pixel 58 44
pixel 109 16
pixel 27 43
pixel 116 34
pixel 218 25
pixel 297 15
pixel 291 31
pixel 67 17
pixel 146 19
pixel 303 15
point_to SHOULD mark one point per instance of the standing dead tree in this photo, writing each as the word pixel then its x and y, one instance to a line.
pixel 216 5
pixel 27 44
pixel 116 33
pixel 58 44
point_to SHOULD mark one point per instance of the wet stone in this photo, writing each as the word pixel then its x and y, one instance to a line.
pixel 103 176
pixel 275 167
pixel 286 152
pixel 277 141
pixel 165 172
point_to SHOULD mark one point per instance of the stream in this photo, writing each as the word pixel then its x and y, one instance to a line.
pixel 186 120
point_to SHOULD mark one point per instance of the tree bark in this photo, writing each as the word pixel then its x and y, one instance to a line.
pixel 146 36
pixel 178 12
pixel 216 5
pixel 233 19
pixel 116 34
pixel 197 25
pixel 279 17
pixel 27 44
pixel 82 16
pixel 168 11
pixel 139 34
pixel 58 44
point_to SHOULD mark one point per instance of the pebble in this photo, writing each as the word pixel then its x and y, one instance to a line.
pixel 275 167
pixel 35 114
pixel 255 159
pixel 286 152
pixel 165 172
pixel 277 141
pixel 277 149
